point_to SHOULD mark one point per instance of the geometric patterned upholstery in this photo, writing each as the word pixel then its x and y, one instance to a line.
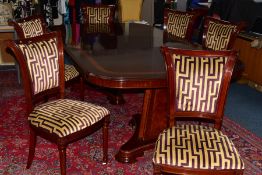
pixel 32 28
pixel 70 72
pixel 95 15
pixel 218 35
pixel 196 147
pixel 42 62
pixel 63 117
pixel 178 23
pixel 198 81
pixel 97 28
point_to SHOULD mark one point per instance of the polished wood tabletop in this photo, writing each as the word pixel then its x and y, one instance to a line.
pixel 126 58
pixel 131 59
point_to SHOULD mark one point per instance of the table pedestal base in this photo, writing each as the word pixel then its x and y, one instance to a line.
pixel 134 147
pixel 148 126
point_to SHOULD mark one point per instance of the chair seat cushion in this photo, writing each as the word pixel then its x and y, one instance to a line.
pixel 70 72
pixel 64 116
pixel 196 146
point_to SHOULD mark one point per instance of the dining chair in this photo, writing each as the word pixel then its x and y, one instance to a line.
pixel 198 82
pixel 129 10
pixel 92 27
pixel 219 34
pixel 59 120
pixel 178 25
pixel 33 26
pixel 98 23
pixel 97 13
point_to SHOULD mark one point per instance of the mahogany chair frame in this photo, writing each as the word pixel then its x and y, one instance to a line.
pixel 190 28
pixel 45 28
pixel 233 35
pixel 59 92
pixel 84 15
pixel 216 118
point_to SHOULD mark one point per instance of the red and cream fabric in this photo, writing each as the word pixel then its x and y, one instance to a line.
pixel 197 147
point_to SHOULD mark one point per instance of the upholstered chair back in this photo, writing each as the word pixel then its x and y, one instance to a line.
pixel 198 82
pixel 97 14
pixel 178 24
pixel 130 10
pixel 41 62
pixel 219 34
pixel 30 26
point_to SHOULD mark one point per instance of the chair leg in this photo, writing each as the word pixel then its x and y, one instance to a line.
pixel 62 156
pixel 82 89
pixel 32 145
pixel 156 170
pixel 105 140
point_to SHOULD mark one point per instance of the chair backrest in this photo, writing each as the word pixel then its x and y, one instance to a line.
pixel 178 25
pixel 97 13
pixel 30 26
pixel 198 82
pixel 219 34
pixel 129 10
pixel 41 61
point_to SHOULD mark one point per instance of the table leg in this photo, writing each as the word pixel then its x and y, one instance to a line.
pixel 148 126
pixel 115 97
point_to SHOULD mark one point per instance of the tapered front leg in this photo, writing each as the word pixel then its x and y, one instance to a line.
pixel 62 156
pixel 82 89
pixel 105 140
pixel 32 144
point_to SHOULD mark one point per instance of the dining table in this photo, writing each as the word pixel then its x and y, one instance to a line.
pixel 129 57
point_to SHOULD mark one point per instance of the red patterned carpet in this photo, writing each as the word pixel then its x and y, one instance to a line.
pixel 84 157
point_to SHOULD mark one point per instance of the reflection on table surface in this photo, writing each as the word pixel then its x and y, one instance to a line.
pixel 130 57
pixel 129 51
